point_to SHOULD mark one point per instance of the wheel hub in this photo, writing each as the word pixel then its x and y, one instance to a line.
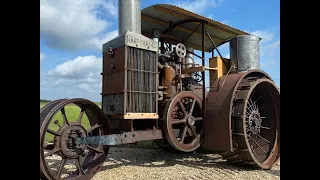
pixel 190 120
pixel 68 147
pixel 254 122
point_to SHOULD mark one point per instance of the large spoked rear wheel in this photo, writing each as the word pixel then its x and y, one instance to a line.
pixel 256 124
pixel 183 122
pixel 62 121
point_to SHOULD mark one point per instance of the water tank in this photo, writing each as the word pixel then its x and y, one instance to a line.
pixel 245 52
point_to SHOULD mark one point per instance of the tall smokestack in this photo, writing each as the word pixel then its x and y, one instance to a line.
pixel 129 16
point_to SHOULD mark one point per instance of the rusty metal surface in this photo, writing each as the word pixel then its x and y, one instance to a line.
pixel 159 17
pixel 226 130
pixel 183 121
pixel 132 73
pixel 219 106
pixel 86 166
pixel 168 82
pixel 123 138
pixel 256 123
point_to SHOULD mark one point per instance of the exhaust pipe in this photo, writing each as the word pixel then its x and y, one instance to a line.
pixel 129 16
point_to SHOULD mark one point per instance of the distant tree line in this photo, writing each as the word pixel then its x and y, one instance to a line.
pixel 44 100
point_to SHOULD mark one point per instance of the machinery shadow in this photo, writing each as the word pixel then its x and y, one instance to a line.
pixel 156 157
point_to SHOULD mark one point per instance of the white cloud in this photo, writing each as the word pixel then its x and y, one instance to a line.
pixel 77 68
pixel 198 6
pixel 227 56
pixel 76 24
pixel 79 77
pixel 112 7
pixel 41 56
pixel 266 35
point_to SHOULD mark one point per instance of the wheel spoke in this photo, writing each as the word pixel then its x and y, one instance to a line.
pixel 94 127
pixel 263 138
pixel 178 121
pixel 198 119
pixel 97 150
pixel 64 116
pixel 258 99
pixel 192 107
pixel 53 132
pixel 193 132
pixel 81 171
pixel 80 116
pixel 262 107
pixel 182 108
pixel 260 147
pixel 184 133
pixel 55 150
pixel 63 162
pixel 255 153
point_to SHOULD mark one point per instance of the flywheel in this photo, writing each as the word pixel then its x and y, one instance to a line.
pixel 183 122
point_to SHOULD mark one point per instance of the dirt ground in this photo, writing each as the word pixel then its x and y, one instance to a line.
pixel 135 163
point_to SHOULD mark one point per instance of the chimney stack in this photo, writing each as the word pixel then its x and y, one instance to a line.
pixel 129 16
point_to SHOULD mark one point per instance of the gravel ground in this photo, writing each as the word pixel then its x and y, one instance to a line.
pixel 135 163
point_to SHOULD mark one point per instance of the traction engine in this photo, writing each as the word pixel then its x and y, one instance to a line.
pixel 154 89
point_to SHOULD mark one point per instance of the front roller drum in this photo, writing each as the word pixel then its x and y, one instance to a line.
pixel 60 157
pixel 182 123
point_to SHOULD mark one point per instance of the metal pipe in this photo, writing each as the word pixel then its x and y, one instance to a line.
pixel 129 16
pixel 155 35
pixel 203 73
pixel 189 58
pixel 215 47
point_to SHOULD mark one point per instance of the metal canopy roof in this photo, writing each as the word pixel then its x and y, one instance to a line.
pixel 160 16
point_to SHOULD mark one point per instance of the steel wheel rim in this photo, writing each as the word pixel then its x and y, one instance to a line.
pixel 266 135
pixel 98 158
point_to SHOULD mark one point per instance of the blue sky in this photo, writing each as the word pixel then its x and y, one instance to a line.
pixel 72 33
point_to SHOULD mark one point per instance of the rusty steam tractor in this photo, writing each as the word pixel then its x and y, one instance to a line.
pixel 152 89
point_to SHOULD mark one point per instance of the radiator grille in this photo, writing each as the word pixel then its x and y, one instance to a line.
pixel 130 87
pixel 141 81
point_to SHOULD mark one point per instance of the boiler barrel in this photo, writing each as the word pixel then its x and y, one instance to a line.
pixel 245 52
